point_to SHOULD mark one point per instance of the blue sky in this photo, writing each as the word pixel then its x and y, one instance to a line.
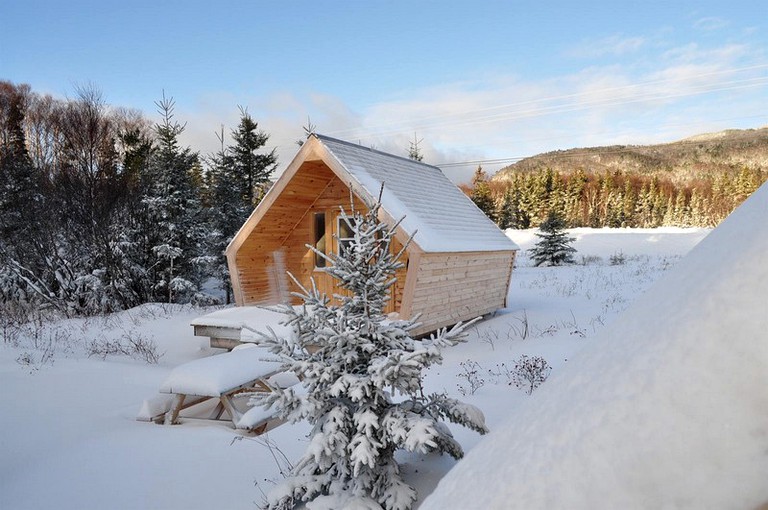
pixel 476 81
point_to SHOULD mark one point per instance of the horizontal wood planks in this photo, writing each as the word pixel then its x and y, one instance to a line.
pixel 459 286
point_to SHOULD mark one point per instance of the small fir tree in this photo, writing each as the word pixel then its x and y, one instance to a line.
pixel 362 373
pixel 414 151
pixel 554 246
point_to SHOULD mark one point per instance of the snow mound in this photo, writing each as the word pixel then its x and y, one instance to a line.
pixel 668 408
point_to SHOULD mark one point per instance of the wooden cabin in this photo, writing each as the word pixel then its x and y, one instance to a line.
pixel 457 267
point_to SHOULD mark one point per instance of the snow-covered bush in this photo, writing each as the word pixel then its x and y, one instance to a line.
pixel 362 376
pixel 529 372
pixel 618 259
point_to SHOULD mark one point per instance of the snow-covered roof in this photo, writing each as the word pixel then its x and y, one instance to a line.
pixel 667 408
pixel 445 218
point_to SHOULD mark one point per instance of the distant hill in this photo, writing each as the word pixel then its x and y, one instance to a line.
pixel 693 182
pixel 704 155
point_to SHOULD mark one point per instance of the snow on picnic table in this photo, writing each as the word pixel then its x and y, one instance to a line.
pixel 214 375
pixel 70 439
pixel 249 319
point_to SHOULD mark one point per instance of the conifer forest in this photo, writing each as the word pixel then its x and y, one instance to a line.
pixel 102 209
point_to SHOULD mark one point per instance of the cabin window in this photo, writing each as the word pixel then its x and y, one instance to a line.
pixel 346 234
pixel 319 241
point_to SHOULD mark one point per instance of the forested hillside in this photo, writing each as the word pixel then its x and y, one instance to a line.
pixel 693 182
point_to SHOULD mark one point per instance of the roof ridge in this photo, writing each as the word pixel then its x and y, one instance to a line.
pixel 322 137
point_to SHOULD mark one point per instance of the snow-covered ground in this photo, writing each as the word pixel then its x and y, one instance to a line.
pixel 665 408
pixel 70 439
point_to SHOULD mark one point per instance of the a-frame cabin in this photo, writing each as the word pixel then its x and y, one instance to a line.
pixel 458 265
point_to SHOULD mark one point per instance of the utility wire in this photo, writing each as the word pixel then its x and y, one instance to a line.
pixel 388 128
pixel 577 153
pixel 583 101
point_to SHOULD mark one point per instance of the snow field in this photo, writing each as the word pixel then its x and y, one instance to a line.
pixel 665 408
pixel 70 438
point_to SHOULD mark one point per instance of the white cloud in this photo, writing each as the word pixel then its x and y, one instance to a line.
pixel 614 45
pixel 682 91
pixel 710 23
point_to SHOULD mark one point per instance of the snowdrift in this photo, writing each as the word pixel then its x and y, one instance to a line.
pixel 668 408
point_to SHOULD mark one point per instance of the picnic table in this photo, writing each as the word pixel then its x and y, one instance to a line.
pixel 230 327
pixel 222 378
pixel 225 378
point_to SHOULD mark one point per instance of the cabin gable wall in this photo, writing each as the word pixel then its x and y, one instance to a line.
pixel 278 243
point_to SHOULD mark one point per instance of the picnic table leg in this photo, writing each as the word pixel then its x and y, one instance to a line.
pixel 172 416
pixel 217 411
pixel 234 414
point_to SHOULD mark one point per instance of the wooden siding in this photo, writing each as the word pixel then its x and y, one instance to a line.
pixel 453 287
pixel 444 287
pixel 278 242
pixel 261 260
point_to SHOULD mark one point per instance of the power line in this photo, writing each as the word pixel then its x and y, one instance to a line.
pixel 390 128
pixel 584 101
pixel 576 153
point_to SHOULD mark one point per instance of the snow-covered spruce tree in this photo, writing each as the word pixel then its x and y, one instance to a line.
pixel 239 178
pixel 362 376
pixel 554 246
pixel 171 212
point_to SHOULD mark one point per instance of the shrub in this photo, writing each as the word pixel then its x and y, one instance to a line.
pixel 529 372
pixel 617 259
pixel 136 346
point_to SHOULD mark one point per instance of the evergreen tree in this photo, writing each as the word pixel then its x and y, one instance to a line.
pixel 239 176
pixel 510 213
pixel 22 213
pixel 309 129
pixel 130 249
pixel 574 198
pixel 698 209
pixel 554 246
pixel 659 207
pixel 507 213
pixel 363 378
pixel 414 152
pixel 172 219
pixel 681 213
pixel 225 214
pixel 251 169
pixel 628 204
pixel 19 183
pixel 481 193
pixel 557 195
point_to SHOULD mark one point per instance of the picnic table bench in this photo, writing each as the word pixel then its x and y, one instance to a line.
pixel 222 377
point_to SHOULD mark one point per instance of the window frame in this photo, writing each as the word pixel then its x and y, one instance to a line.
pixel 342 242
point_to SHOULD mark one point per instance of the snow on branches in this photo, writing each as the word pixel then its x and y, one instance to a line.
pixel 362 382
